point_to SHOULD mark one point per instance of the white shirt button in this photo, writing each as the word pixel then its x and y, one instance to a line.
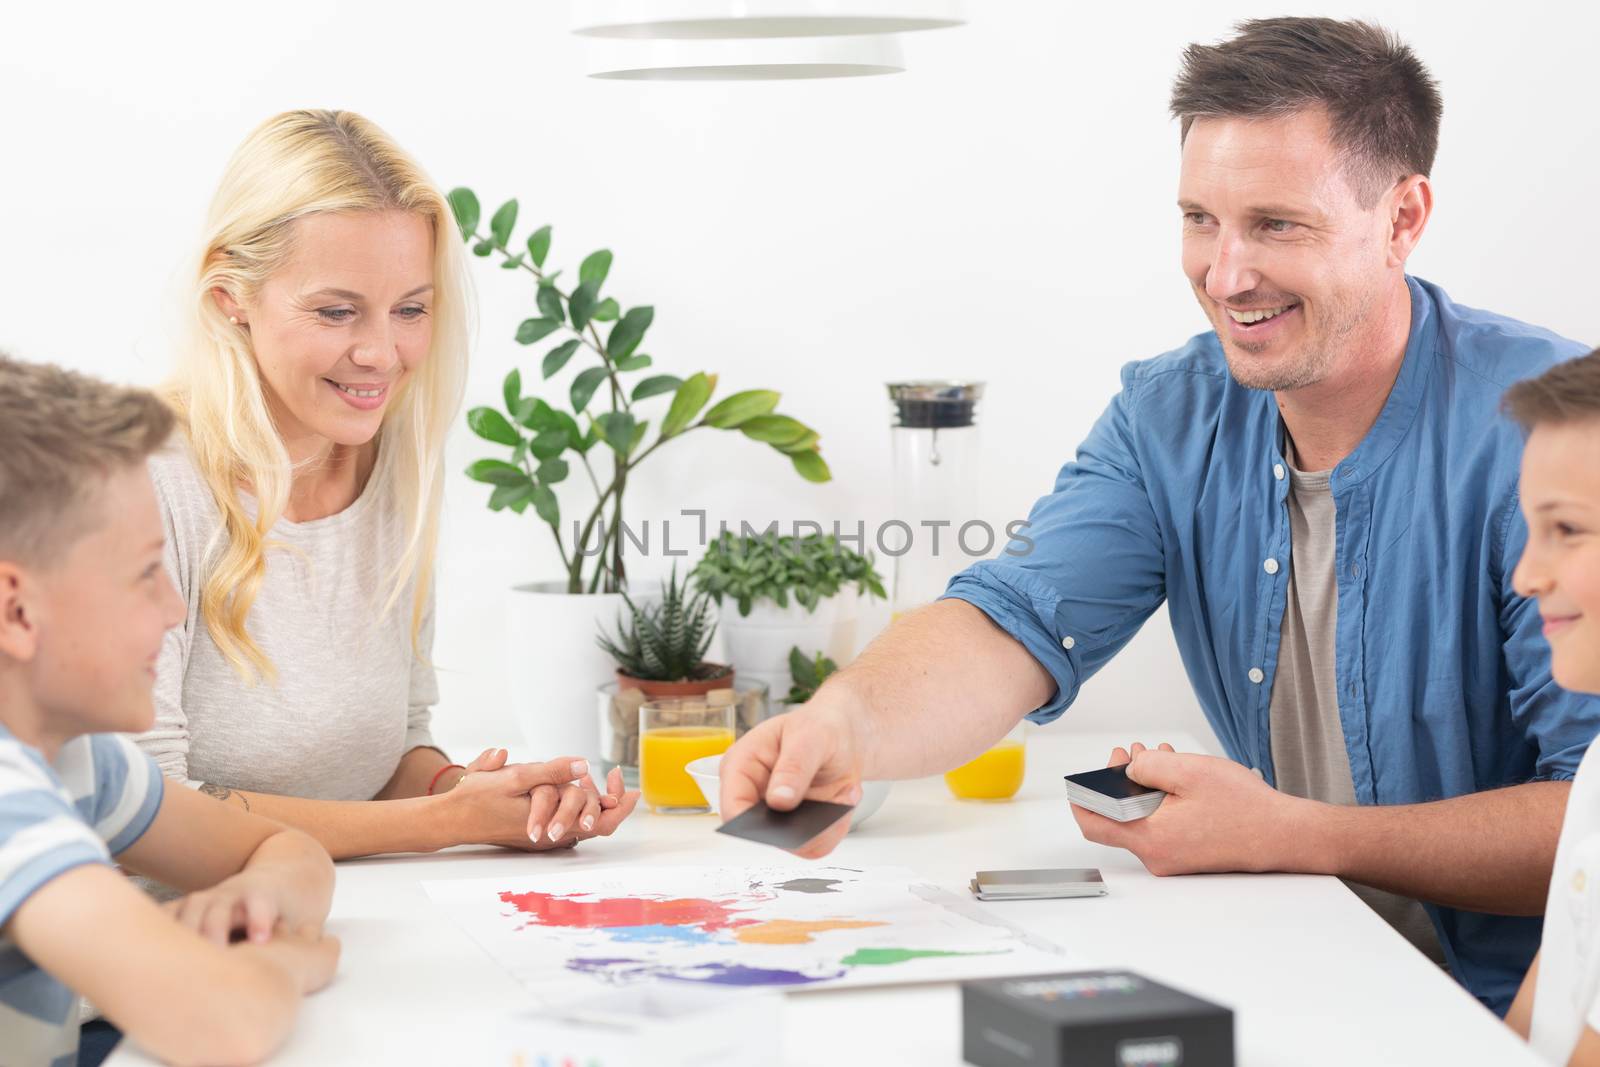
pixel 1067 643
pixel 1256 675
pixel 1270 566
pixel 1277 471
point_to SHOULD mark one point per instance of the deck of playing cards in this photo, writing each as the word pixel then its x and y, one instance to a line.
pixel 1110 792
pixel 1039 885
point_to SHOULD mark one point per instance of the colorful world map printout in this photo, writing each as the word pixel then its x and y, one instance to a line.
pixel 573 936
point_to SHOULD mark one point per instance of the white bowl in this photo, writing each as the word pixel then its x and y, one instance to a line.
pixel 705 770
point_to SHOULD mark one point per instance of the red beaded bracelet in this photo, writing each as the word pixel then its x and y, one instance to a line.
pixel 440 773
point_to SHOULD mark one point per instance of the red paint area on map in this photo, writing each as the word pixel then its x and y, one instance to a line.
pixel 548 909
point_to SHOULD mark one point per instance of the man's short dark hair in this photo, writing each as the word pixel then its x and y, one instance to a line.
pixel 1382 103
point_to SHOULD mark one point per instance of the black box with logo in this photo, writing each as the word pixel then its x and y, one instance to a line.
pixel 1091 1019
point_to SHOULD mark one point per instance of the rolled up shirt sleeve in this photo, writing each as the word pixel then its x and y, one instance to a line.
pixel 1075 585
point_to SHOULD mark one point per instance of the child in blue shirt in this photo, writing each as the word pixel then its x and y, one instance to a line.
pixel 216 976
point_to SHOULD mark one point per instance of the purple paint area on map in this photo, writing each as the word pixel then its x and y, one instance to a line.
pixel 730 974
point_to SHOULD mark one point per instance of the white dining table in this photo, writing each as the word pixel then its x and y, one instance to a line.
pixel 1313 976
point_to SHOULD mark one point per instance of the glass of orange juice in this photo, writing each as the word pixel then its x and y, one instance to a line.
pixel 672 732
pixel 995 774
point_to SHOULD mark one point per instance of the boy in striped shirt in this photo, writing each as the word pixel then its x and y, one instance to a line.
pixel 217 975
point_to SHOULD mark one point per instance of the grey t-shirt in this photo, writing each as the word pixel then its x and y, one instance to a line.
pixel 351 696
pixel 1308 750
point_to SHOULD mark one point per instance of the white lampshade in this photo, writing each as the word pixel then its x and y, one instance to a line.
pixel 690 20
pixel 772 59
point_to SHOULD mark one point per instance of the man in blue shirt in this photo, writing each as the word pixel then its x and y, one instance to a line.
pixel 1324 494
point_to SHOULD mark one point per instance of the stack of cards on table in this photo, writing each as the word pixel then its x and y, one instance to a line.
pixel 1110 792
pixel 1039 885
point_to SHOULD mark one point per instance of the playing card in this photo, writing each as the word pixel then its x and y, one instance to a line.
pixel 785 829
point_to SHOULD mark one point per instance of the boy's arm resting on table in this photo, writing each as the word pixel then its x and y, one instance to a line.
pixel 184 999
pixel 243 871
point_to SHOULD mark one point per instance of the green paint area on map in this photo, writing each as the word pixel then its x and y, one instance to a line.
pixel 881 957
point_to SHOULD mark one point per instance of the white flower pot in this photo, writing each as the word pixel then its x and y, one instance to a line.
pixel 554 665
pixel 758 644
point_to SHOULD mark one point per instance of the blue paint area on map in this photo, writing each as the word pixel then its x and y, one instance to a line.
pixel 692 935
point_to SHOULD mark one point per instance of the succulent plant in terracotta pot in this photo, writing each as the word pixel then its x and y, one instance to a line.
pixel 660 647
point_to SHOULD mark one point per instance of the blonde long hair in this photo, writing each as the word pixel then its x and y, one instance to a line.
pixel 297 164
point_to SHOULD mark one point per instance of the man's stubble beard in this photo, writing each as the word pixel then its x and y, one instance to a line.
pixel 1309 366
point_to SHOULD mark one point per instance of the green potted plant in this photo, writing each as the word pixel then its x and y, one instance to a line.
pixel 660 647
pixel 575 449
pixel 786 591
pixel 806 675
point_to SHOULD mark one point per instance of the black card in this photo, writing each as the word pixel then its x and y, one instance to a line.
pixel 786 829
pixel 1112 782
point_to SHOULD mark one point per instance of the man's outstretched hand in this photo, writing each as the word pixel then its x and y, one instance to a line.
pixel 808 754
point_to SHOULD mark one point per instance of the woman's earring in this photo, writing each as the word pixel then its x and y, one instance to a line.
pixel 233 319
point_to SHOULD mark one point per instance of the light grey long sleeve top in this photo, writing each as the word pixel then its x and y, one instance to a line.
pixel 351 696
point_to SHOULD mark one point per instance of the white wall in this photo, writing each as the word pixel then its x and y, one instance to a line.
pixel 1003 210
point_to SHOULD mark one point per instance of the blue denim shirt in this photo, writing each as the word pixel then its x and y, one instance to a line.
pixel 1444 685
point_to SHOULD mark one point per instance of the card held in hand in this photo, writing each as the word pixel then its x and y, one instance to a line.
pixel 1110 792
pixel 785 829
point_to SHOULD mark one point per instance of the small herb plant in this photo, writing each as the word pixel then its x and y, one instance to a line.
pixel 665 642
pixel 807 674
pixel 769 567
pixel 598 425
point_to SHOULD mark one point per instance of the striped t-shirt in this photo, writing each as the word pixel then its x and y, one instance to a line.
pixel 100 794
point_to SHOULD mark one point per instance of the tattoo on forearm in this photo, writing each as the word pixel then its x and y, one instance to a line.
pixel 222 792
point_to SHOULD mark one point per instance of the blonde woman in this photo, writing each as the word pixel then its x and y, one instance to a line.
pixel 328 346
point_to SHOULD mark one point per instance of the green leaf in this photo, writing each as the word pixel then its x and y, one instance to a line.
pixel 557 357
pixel 544 502
pixel 595 268
pixel 552 471
pixel 584 385
pixel 512 389
pixel 539 245
pixel 490 425
pixel 655 386
pixel 617 428
pixel 638 435
pixel 504 221
pixel 539 416
pixel 687 402
pixel 549 444
pixel 507 496
pixel 741 407
pixel 513 263
pixel 633 363
pixel 569 425
pixel 483 248
pixel 550 303
pixel 811 466
pixel 774 429
pixel 582 303
pixel 496 472
pixel 606 311
pixel 626 335
pixel 533 330
pixel 806 443
pixel 802 669
pixel 464 205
